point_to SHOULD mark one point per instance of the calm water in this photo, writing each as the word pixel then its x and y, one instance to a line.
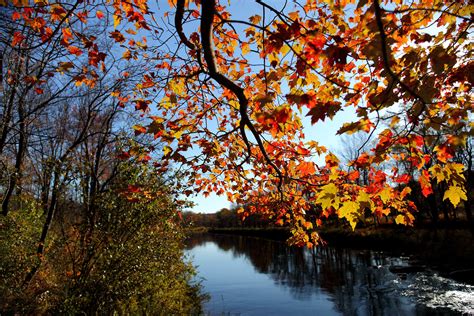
pixel 251 276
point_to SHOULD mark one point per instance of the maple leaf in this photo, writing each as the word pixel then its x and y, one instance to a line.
pixel 327 196
pixel 141 104
pixel 139 129
pixel 350 128
pixel 18 38
pixel 65 66
pixel 306 168
pixel 321 110
pixel 405 192
pixel 455 194
pixel 349 211
pixel 74 50
pixel 354 175
pixel 67 35
pixel 401 220
pixel 385 195
pixel 425 184
pixel 405 178
pixel 124 155
pixel 16 16
pixel 317 41
pixel 117 36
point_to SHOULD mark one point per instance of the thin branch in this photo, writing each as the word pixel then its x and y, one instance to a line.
pixel 207 18
pixel 386 59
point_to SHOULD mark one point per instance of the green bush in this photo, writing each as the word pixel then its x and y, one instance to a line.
pixel 123 255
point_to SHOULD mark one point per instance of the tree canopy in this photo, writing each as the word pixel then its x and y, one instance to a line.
pixel 225 96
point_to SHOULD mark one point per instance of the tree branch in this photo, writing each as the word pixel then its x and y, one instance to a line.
pixel 207 18
pixel 386 59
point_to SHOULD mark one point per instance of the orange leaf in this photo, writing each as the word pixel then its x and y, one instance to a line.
pixel 74 50
pixel 306 168
pixel 354 175
pixel 139 129
pixel 17 38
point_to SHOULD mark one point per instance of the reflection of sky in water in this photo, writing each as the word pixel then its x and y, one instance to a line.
pixel 237 288
pixel 249 276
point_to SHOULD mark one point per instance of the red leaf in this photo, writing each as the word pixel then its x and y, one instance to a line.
pixel 141 104
pixel 418 140
pixel 139 129
pixel 425 183
pixel 317 42
pixel 133 188
pixel 403 179
pixel 321 110
pixel 306 168
pixel 16 16
pixel 123 155
pixel 354 175
pixel 74 50
pixel 362 161
pixel 17 38
pixel 117 36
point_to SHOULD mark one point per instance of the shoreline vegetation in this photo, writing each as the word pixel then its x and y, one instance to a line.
pixel 110 256
pixel 448 249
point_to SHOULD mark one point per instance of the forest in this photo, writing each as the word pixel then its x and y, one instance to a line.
pixel 115 114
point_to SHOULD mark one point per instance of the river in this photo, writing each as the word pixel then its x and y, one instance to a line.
pixel 253 276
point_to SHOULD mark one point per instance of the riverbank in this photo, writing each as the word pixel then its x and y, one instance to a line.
pixel 450 249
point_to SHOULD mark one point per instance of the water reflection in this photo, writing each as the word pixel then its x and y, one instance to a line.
pixel 357 282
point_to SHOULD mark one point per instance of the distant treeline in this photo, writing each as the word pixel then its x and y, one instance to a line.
pixel 225 218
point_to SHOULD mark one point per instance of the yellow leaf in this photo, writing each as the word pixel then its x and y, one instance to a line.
pixel 400 219
pixel 327 196
pixel 455 194
pixel 348 211
pixel 177 134
pixel 458 169
pixel 363 197
pixel 330 189
pixel 394 121
pixel 405 219
pixel 437 172
pixel 405 192
pixel 255 19
pixel 166 150
pixel 245 48
pixel 117 19
pixel 385 195
pixel 348 208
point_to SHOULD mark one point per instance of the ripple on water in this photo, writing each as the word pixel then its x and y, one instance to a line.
pixel 437 292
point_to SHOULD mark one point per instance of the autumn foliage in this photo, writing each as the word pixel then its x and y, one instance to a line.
pixel 227 97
